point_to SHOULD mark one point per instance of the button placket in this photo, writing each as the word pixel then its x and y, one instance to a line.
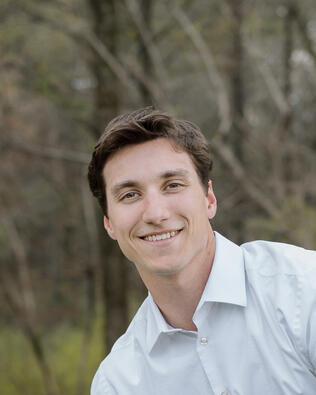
pixel 203 341
pixel 205 344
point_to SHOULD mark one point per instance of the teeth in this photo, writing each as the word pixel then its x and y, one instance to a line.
pixel 162 236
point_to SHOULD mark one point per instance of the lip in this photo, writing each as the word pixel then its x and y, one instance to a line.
pixel 164 241
pixel 161 232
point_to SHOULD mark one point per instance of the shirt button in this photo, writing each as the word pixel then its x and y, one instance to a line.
pixel 224 393
pixel 204 341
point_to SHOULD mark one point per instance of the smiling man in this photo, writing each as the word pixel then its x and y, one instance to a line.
pixel 219 318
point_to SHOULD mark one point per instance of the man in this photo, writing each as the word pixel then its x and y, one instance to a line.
pixel 219 318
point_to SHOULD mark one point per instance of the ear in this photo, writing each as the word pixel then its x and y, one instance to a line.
pixel 108 227
pixel 211 201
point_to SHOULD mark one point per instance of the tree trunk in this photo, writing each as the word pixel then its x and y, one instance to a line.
pixel 238 132
pixel 106 107
pixel 104 18
pixel 20 298
pixel 289 157
pixel 146 8
pixel 115 294
pixel 236 79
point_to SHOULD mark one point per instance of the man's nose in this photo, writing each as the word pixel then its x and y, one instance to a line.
pixel 155 209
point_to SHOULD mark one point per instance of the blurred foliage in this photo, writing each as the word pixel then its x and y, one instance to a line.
pixel 67 67
pixel 296 224
pixel 19 372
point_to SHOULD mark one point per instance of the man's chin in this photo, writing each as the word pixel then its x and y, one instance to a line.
pixel 163 269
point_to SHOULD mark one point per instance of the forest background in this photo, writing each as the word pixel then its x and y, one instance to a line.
pixel 243 70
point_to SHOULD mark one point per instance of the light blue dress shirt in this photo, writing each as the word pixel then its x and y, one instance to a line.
pixel 256 334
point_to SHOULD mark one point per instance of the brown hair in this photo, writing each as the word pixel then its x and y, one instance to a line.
pixel 138 127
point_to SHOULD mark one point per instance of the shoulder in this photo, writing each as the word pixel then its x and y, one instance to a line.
pixel 279 258
pixel 281 279
pixel 125 357
pixel 282 272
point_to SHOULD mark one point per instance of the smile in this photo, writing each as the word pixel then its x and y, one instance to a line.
pixel 161 236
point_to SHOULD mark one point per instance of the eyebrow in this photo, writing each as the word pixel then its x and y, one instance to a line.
pixel 175 173
pixel 182 173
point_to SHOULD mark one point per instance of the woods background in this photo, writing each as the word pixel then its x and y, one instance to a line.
pixel 243 70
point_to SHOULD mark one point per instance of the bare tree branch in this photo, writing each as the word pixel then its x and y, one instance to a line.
pixel 88 38
pixel 210 65
pixel 48 152
pixel 101 50
pixel 125 72
pixel 93 281
pixel 24 309
pixel 10 291
pixel 18 249
pixel 302 26
pixel 274 89
pixel 242 177
pixel 152 87
pixel 151 48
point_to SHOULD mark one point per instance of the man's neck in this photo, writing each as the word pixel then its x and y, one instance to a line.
pixel 177 296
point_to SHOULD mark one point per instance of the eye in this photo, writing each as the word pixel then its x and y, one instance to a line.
pixel 174 185
pixel 130 196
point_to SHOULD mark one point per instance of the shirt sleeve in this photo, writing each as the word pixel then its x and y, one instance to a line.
pixel 99 385
pixel 309 306
pixel 311 336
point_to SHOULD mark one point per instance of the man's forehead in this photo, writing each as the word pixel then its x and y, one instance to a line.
pixel 162 144
pixel 155 158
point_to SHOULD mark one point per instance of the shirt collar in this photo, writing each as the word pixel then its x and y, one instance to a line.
pixel 226 284
pixel 156 324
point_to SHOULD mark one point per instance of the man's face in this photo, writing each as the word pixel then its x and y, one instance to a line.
pixel 157 209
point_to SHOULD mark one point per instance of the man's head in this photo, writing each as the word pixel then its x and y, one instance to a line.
pixel 150 174
pixel 141 126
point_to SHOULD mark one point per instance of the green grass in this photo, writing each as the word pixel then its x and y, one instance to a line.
pixel 19 371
